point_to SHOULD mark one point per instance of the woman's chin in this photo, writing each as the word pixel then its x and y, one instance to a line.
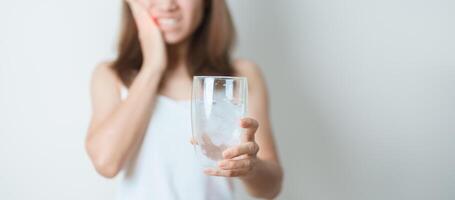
pixel 173 39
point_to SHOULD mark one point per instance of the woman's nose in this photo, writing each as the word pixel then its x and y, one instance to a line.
pixel 165 5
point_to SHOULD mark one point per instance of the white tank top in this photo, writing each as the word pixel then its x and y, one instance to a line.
pixel 165 166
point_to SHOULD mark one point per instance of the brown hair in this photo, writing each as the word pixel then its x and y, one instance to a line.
pixel 209 50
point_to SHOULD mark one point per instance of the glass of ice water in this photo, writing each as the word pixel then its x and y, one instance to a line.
pixel 218 103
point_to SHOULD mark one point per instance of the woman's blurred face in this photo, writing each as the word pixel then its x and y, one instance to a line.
pixel 177 19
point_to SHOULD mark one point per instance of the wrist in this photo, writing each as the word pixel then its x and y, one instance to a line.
pixel 153 69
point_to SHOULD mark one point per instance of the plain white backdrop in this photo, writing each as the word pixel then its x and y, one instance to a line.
pixel 362 92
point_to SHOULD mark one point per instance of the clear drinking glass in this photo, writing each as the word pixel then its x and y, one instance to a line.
pixel 217 105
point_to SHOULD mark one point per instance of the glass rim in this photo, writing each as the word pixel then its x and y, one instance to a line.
pixel 221 77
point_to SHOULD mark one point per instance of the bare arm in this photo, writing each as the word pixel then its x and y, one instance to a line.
pixel 259 167
pixel 118 126
pixel 265 180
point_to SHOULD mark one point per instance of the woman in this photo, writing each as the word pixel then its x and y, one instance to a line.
pixel 140 123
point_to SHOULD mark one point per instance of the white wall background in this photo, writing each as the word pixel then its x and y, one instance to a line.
pixel 362 92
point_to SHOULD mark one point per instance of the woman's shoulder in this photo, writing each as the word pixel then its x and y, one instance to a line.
pixel 104 75
pixel 253 73
pixel 248 69
pixel 245 67
pixel 103 70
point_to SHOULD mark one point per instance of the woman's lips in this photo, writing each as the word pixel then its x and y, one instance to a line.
pixel 167 23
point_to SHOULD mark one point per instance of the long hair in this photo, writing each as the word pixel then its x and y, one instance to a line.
pixel 210 45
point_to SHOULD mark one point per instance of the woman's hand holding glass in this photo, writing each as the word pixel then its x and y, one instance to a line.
pixel 240 160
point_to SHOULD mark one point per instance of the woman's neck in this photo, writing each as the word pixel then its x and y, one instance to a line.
pixel 177 55
pixel 176 79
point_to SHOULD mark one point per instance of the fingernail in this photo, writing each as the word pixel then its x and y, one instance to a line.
pixel 222 164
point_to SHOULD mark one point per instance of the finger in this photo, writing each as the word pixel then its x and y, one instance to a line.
pixel 139 3
pixel 147 15
pixel 226 173
pixel 137 8
pixel 249 148
pixel 206 140
pixel 142 2
pixel 246 163
pixel 251 126
pixel 193 141
pixel 138 14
